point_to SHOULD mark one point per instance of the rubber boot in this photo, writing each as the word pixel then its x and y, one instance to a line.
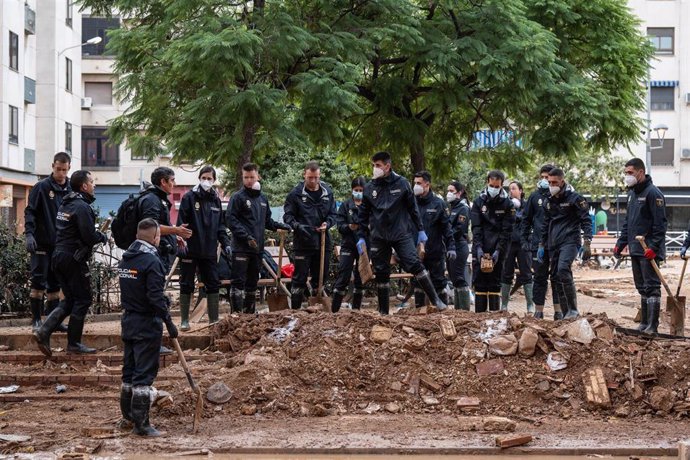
pixel 185 300
pixel 36 307
pixel 49 307
pixel 74 333
pixel 494 301
pixel 383 293
pixel 337 300
pixel 557 312
pixel 424 281
pixel 419 297
pixel 213 300
pixel 505 296
pixel 125 407
pixel 236 300
pixel 357 299
pixel 529 296
pixel 296 298
pixel 653 308
pixel 570 292
pixel 481 302
pixel 443 295
pixel 141 403
pixel 539 312
pixel 462 296
pixel 644 314
pixel 42 335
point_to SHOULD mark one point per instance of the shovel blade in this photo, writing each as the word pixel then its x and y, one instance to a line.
pixel 676 307
pixel 277 302
pixel 324 302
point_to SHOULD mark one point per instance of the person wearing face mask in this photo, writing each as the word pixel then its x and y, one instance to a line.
pixel 309 210
pixel 459 217
pixel 492 216
pixel 347 222
pixel 441 243
pixel 516 255
pixel 646 216
pixel 389 210
pixel 76 235
pixel 531 227
pixel 202 213
pixel 566 224
pixel 248 217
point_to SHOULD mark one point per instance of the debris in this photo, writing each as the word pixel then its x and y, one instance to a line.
pixel 513 440
pixel 429 383
pixel 604 332
pixel 661 399
pixel 528 342
pixel 380 334
pixel 14 437
pixel 543 386
pixel 503 345
pixel 556 361
pixel 219 393
pixel 492 366
pixel 622 411
pixel 163 399
pixel 493 328
pixel 8 389
pixel 60 388
pixel 188 453
pixel 371 408
pixel 98 432
pixel 392 407
pixel 248 409
pixel 396 386
pixel 448 329
pixel 4 348
pixel 468 403
pixel 635 389
pixel 430 401
pixel 580 331
pixel 595 387
pixel 474 349
pixel 498 424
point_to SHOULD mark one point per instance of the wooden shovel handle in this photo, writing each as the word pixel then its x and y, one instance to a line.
pixel 682 275
pixel 640 238
pixel 281 234
pixel 321 264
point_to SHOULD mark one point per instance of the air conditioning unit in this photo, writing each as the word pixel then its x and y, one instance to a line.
pixel 86 103
pixel 685 154
pixel 687 98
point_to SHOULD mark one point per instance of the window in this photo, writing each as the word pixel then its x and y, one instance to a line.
pixel 662 39
pixel 14 51
pixel 96 27
pixel 663 156
pixel 100 92
pixel 68 73
pixel 68 137
pixel 14 125
pixel 663 98
pixel 69 15
pixel 97 151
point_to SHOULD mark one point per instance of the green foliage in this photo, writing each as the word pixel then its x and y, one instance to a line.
pixel 14 271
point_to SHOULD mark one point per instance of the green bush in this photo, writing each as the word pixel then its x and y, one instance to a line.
pixel 14 271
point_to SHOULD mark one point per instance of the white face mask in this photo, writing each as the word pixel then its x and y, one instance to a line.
pixel 630 181
pixel 418 189
pixel 516 203
pixel 543 184
pixel 493 191
pixel 256 186
pixel 554 189
pixel 450 197
pixel 378 172
pixel 206 184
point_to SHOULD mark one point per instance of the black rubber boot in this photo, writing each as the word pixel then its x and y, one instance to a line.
pixel 296 298
pixel 462 298
pixel 644 314
pixel 570 292
pixel 505 296
pixel 141 402
pixel 424 281
pixel 481 302
pixel 419 297
pixel 337 300
pixel 249 305
pixel 125 407
pixel 51 305
pixel 653 309
pixel 42 335
pixel 383 293
pixel 236 300
pixel 36 307
pixel 357 299
pixel 185 301
pixel 539 314
pixel 494 301
pixel 74 333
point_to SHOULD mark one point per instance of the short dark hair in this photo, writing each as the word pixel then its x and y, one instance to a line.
pixel 381 156
pixel 546 168
pixel 358 181
pixel 78 179
pixel 459 188
pixel 496 174
pixel 250 167
pixel 62 157
pixel 557 172
pixel 312 166
pixel 160 173
pixel 636 163
pixel 207 169
pixel 426 175
pixel 146 224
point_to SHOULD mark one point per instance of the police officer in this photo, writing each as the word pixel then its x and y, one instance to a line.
pixel 145 310
pixel 248 216
pixel 76 236
pixel 516 255
pixel 202 213
pixel 347 222
pixel 456 196
pixel 566 217
pixel 441 243
pixel 531 227
pixel 646 216
pixel 39 229
pixel 389 210
pixel 686 245
pixel 492 216
pixel 309 211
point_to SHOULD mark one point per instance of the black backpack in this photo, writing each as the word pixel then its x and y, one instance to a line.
pixel 124 226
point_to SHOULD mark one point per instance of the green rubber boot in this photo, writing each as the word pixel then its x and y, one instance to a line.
pixel 185 300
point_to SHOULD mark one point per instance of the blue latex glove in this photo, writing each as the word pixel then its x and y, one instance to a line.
pixel 421 237
pixel 683 250
pixel 361 246
pixel 228 251
pixel 452 255
pixel 494 256
pixel 480 253
pixel 540 254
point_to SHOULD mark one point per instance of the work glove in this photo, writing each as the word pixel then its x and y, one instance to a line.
pixel 683 250
pixel 252 243
pixel 228 251
pixel 285 227
pixel 540 254
pixel 480 252
pixel 452 255
pixel 494 256
pixel 649 254
pixel 31 243
pixel 421 237
pixel 586 250
pixel 172 329
pixel 361 246
pixel 617 251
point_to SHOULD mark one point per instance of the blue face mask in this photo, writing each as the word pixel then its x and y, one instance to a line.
pixel 357 195
pixel 543 184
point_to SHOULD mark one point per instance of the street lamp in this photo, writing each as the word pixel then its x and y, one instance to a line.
pixel 90 41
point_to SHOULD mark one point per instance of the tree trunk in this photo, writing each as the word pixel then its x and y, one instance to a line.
pixel 248 139
pixel 417 160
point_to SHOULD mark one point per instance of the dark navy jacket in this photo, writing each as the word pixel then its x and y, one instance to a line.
pixel 533 218
pixel 39 216
pixel 515 236
pixel 348 213
pixel 389 209
pixel 203 213
pixel 686 243
pixel 566 215
pixel 492 222
pixel 142 281
pixel 304 214
pixel 646 215
pixel 434 215
pixel 154 204
pixel 460 220
pixel 248 216
pixel 76 226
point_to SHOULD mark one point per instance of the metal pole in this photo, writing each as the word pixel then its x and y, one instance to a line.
pixel 648 156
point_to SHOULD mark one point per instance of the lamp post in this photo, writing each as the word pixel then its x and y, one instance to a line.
pixel 90 41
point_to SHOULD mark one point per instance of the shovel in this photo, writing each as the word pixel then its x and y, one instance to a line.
pixel 674 304
pixel 278 300
pixel 320 298
pixel 195 388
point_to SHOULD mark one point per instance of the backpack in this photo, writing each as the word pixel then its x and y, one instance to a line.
pixel 124 226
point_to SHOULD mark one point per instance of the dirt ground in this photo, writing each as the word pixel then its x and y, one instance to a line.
pixel 415 380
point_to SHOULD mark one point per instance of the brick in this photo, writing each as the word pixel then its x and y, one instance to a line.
pixel 513 440
pixel 468 403
pixel 428 382
pixel 596 389
pixel 448 329
pixel 492 366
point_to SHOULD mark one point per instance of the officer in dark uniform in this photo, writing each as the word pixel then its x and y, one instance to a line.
pixel 76 237
pixel 389 211
pixel 646 216
pixel 347 221
pixel 492 216
pixel 456 197
pixel 531 226
pixel 309 210
pixel 686 245
pixel 441 244
pixel 39 229
pixel 565 219
pixel 202 213
pixel 248 216
pixel 145 310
